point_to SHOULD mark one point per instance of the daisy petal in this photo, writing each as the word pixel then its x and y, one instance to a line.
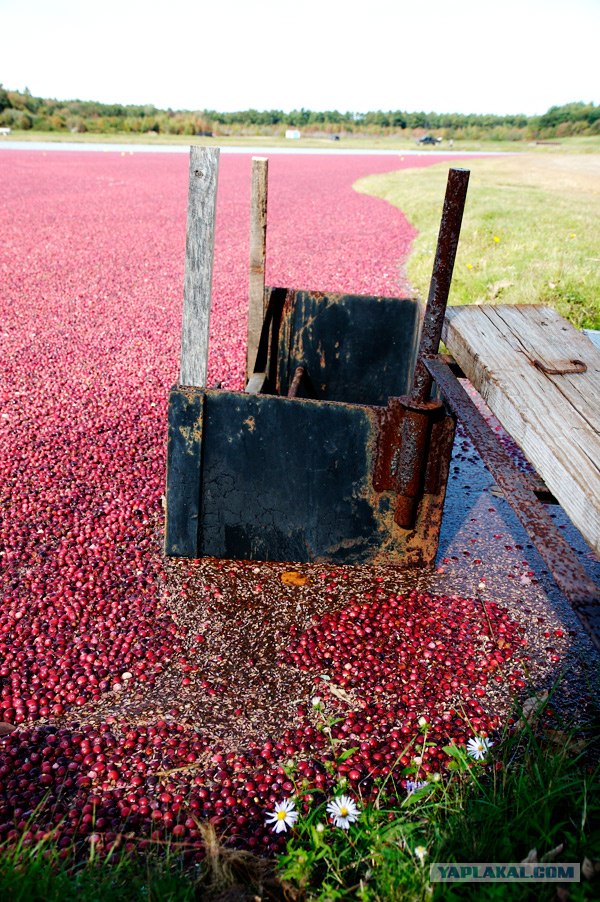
pixel 478 747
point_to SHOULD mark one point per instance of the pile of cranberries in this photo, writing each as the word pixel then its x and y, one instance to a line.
pixel 397 677
pixel 92 258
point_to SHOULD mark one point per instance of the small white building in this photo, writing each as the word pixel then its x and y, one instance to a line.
pixel 4 131
pixel 292 133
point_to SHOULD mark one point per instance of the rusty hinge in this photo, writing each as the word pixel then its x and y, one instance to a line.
pixel 407 454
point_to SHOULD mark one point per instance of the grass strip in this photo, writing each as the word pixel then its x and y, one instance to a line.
pixel 528 234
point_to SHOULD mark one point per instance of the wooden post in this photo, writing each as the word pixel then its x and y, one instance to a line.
pixel 199 252
pixel 258 244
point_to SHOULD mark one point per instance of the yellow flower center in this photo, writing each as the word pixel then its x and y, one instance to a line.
pixel 281 815
pixel 343 811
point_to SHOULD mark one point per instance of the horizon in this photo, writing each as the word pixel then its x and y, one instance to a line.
pixel 25 91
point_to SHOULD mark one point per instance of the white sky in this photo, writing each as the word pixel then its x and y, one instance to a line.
pixel 469 56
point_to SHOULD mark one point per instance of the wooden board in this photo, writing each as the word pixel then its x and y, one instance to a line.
pixel 554 417
pixel 199 252
pixel 258 253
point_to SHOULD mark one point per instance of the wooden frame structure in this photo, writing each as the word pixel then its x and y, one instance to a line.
pixel 329 455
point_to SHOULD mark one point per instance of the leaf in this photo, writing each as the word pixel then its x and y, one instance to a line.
pixel 455 752
pixel 341 694
pixel 294 578
pixel 347 754
pixel 6 728
pixel 553 854
pixel 589 868
pixel 565 742
pixel 417 795
pixel 532 709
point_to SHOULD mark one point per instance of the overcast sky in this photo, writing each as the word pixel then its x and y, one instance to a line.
pixel 468 56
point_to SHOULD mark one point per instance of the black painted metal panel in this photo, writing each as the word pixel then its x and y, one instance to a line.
pixel 184 472
pixel 354 348
pixel 288 480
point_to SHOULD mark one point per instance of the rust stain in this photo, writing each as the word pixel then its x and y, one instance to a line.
pixel 294 578
pixel 191 435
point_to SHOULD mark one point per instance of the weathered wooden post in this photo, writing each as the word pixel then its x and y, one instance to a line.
pixel 185 401
pixel 258 249
pixel 199 254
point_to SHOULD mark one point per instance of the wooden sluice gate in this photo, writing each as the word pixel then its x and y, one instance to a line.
pixel 329 455
pixel 338 451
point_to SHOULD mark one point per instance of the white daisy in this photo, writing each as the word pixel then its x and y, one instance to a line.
pixel 284 816
pixel 420 852
pixel 343 811
pixel 478 747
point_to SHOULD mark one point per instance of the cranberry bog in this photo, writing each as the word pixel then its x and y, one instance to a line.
pixel 152 695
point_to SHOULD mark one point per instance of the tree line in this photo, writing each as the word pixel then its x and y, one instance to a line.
pixel 21 110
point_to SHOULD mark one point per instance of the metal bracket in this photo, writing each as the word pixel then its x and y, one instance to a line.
pixel 564 367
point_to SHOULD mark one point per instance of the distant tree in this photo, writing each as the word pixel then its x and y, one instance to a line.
pixel 20 109
pixel 398 120
pixel 4 101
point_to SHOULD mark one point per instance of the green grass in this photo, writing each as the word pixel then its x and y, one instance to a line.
pixel 537 789
pixel 529 232
pixel 38 872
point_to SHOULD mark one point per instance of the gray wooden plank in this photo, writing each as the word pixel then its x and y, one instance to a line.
pixel 554 418
pixel 184 471
pixel 258 252
pixel 541 333
pixel 199 254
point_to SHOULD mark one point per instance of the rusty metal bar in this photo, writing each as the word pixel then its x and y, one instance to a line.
pixel 299 374
pixel 414 444
pixel 570 577
pixel 414 453
pixel 441 442
pixel 441 277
